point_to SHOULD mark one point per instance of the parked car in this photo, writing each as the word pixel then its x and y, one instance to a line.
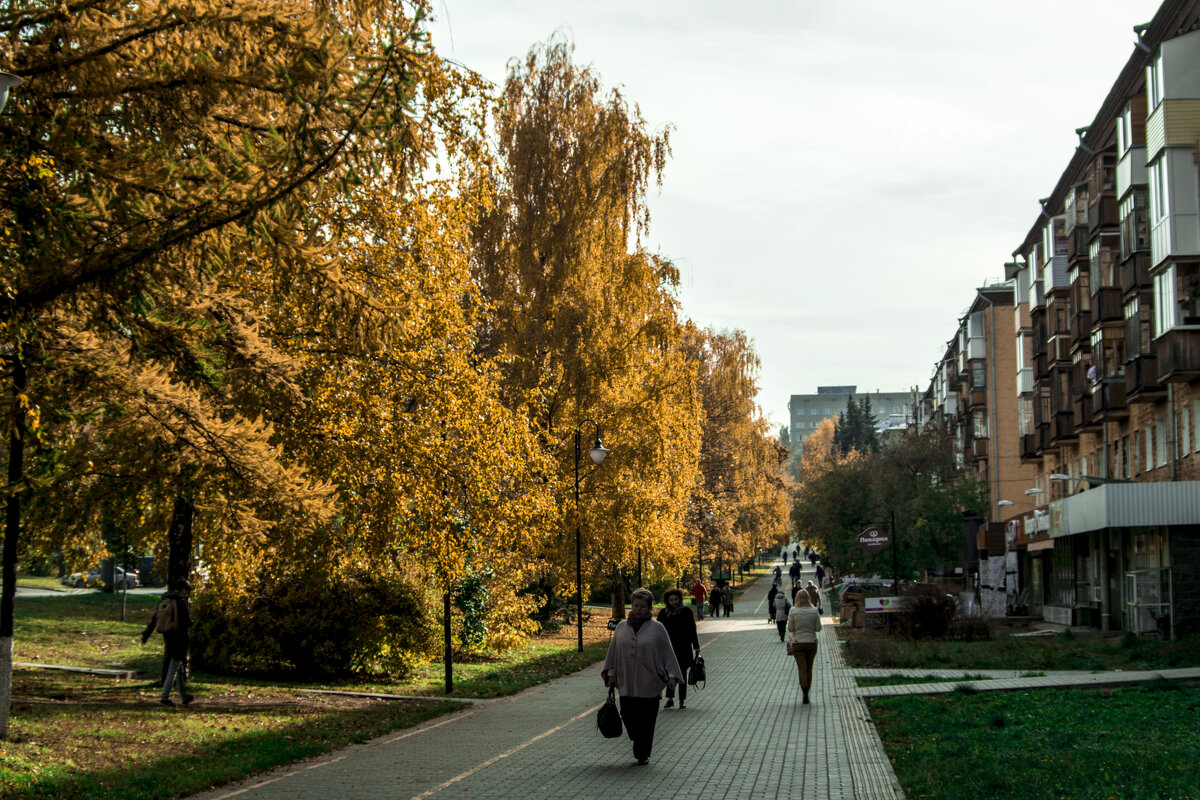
pixel 92 579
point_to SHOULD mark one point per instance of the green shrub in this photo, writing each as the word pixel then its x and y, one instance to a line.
pixel 310 627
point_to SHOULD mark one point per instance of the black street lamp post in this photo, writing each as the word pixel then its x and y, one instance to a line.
pixel 597 453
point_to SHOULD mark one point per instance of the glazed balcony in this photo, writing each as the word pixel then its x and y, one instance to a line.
pixel 1031 449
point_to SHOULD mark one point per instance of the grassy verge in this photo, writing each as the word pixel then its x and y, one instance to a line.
pixel 83 736
pixel 871 648
pixel 1129 743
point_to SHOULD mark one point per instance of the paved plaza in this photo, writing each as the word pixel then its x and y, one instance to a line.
pixel 745 735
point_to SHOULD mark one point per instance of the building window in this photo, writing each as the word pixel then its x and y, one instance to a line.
pixel 1148 443
pixel 1160 442
pixel 1154 81
pixel 978 379
pixel 1185 431
pixel 1123 471
pixel 1158 189
pixel 1135 229
pixel 979 424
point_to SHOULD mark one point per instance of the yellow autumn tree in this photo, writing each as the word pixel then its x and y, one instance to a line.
pixel 583 316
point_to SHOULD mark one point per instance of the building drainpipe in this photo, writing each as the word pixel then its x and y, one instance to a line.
pixel 1172 434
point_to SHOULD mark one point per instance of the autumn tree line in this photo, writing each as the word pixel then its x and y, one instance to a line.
pixel 911 485
pixel 315 314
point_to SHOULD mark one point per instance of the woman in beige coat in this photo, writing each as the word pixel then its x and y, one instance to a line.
pixel 803 623
pixel 640 664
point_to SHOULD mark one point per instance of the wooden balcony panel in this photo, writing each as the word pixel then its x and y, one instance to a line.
pixel 1135 272
pixel 1029 448
pixel 1104 214
pixel 1081 327
pixel 1077 245
pixel 1108 400
pixel 1141 379
pixel 1041 366
pixel 1085 416
pixel 1063 427
pixel 1178 352
pixel 1106 305
pixel 979 449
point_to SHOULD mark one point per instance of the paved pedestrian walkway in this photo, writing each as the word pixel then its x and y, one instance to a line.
pixel 745 735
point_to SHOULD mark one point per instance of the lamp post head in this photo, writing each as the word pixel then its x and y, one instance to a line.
pixel 1003 503
pixel 7 81
pixel 598 452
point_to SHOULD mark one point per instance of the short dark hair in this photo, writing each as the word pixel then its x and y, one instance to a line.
pixel 677 592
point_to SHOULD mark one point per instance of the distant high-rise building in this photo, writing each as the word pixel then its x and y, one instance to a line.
pixel 892 410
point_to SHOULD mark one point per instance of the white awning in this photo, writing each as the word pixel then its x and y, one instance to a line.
pixel 1126 505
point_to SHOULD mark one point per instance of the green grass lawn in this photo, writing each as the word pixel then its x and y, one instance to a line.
pixel 871 648
pixel 1130 743
pixel 84 736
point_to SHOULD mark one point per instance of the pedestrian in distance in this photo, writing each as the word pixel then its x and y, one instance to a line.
pixel 727 599
pixel 782 606
pixel 699 598
pixel 814 594
pixel 794 574
pixel 172 618
pixel 820 576
pixel 681 629
pixel 803 624
pixel 639 664
pixel 774 590
pixel 714 600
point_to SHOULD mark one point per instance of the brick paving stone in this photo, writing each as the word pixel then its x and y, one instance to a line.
pixel 745 735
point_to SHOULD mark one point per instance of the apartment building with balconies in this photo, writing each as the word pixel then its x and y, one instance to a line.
pixel 1105 373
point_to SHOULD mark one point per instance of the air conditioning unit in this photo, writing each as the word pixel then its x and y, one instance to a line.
pixel 1097 594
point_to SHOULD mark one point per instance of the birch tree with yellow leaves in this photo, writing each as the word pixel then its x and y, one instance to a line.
pixel 582 315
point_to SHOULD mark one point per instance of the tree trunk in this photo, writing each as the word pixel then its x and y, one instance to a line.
pixel 618 593
pixel 179 541
pixel 12 529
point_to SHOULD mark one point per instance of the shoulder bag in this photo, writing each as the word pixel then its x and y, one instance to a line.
pixel 608 718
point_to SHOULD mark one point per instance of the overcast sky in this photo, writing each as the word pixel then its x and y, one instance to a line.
pixel 845 173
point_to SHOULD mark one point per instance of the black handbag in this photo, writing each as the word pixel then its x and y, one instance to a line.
pixel 608 718
pixel 696 674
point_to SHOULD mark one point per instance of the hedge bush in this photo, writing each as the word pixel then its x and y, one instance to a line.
pixel 311 627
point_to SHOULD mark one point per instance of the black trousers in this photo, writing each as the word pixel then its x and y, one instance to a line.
pixel 682 692
pixel 639 715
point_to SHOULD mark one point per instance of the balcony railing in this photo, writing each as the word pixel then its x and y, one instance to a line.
pixel 979 448
pixel 1108 400
pixel 1081 327
pixel 1064 427
pixel 1135 272
pixel 1178 353
pixel 1106 305
pixel 1084 416
pixel 1103 214
pixel 1030 451
pixel 1141 378
pixel 1077 245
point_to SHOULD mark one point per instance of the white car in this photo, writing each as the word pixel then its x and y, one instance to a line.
pixel 92 579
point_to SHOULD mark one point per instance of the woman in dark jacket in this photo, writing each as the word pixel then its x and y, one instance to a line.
pixel 681 628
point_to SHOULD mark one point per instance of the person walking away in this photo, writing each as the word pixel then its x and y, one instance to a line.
pixel 782 606
pixel 794 574
pixel 803 623
pixel 774 590
pixel 172 618
pixel 681 629
pixel 814 594
pixel 699 597
pixel 727 599
pixel 640 662
pixel 714 600
pixel 820 576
